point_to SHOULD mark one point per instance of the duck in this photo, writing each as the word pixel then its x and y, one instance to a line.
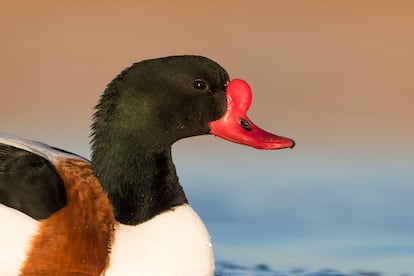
pixel 125 211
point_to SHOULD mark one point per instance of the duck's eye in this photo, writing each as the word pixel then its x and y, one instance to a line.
pixel 200 84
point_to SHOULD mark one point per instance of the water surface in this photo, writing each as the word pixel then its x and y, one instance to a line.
pixel 301 215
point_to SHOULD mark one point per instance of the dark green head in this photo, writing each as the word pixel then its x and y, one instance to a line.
pixel 157 102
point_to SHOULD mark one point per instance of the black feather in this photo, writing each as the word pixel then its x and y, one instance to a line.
pixel 29 183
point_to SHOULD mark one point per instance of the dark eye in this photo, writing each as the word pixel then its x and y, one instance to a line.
pixel 200 84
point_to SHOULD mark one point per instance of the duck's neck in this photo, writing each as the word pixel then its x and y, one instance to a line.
pixel 140 183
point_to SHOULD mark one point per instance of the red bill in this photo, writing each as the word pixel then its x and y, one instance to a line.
pixel 236 127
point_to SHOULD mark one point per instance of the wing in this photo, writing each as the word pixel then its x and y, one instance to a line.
pixel 29 182
pixel 40 180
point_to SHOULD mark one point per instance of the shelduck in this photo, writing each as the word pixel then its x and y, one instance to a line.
pixel 125 212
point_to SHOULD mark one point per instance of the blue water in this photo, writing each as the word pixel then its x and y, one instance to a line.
pixel 230 269
pixel 304 215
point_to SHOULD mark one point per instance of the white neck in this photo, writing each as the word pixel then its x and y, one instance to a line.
pixel 173 243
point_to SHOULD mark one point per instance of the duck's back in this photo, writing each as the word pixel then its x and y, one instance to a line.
pixel 48 229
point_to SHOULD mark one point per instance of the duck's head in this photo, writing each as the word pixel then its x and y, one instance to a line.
pixel 157 102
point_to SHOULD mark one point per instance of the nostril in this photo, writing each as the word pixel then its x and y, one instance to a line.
pixel 245 124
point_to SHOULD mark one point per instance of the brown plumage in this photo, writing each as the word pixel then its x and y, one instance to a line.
pixel 76 239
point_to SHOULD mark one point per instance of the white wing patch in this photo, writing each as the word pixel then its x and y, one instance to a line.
pixel 38 148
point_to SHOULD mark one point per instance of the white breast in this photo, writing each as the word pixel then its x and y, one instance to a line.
pixel 173 243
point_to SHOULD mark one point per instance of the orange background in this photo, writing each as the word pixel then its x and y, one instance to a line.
pixel 334 75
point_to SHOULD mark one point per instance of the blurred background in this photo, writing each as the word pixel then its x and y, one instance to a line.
pixel 336 76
